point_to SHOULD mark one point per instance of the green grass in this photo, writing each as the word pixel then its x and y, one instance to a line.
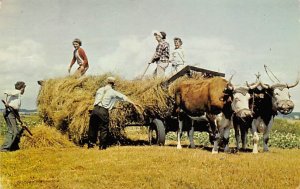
pixel 149 166
pixel 287 126
pixel 29 120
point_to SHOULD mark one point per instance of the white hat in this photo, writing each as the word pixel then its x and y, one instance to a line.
pixel 110 80
pixel 158 33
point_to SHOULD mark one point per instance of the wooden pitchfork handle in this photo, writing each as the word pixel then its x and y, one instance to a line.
pixel 17 116
pixel 145 70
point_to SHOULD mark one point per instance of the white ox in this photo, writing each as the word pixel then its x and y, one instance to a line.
pixel 237 109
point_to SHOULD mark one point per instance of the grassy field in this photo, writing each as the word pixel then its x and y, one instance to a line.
pixel 148 167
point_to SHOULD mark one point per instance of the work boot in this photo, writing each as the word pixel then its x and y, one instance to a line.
pixel 90 145
pixel 102 147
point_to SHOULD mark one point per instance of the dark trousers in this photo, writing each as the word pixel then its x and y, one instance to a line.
pixel 12 137
pixel 99 121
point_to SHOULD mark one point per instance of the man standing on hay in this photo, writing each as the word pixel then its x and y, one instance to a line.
pixel 161 55
pixel 13 135
pixel 105 99
pixel 81 58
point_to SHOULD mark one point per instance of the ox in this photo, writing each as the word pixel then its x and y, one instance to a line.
pixel 238 108
pixel 200 100
pixel 203 100
pixel 266 102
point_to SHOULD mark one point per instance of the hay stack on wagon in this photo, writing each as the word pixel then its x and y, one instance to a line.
pixel 64 103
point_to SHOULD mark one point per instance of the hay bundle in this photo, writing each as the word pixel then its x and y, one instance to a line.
pixel 64 103
pixel 45 136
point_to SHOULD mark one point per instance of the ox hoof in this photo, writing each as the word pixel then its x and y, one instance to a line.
pixel 179 147
pixel 266 149
pixel 214 152
pixel 226 149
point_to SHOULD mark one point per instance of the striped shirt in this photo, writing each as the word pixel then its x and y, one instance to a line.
pixel 162 52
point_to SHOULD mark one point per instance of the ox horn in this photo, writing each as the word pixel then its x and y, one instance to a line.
pixel 229 84
pixel 252 86
pixel 294 85
pixel 263 85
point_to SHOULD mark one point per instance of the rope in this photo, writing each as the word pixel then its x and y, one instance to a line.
pixel 271 73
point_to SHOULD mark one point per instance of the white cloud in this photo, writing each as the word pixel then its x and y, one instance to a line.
pixel 25 61
pixel 130 57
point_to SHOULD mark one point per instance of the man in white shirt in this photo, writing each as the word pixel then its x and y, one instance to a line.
pixel 105 99
pixel 13 99
pixel 177 56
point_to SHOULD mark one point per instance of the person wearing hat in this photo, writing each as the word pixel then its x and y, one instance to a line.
pixel 13 99
pixel 105 99
pixel 161 55
pixel 81 58
pixel 177 56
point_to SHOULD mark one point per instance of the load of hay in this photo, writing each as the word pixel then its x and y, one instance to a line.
pixel 64 103
pixel 45 136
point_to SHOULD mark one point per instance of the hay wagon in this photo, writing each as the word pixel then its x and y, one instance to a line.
pixel 158 127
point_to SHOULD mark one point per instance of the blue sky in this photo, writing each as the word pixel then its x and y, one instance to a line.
pixel 228 36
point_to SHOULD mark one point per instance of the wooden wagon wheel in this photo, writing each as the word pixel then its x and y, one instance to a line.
pixel 157 134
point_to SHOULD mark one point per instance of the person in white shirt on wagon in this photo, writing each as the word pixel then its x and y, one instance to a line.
pixel 177 56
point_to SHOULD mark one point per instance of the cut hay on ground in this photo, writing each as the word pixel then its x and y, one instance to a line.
pixel 45 136
pixel 64 103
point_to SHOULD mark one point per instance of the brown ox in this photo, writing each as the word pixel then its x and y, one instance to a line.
pixel 199 99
